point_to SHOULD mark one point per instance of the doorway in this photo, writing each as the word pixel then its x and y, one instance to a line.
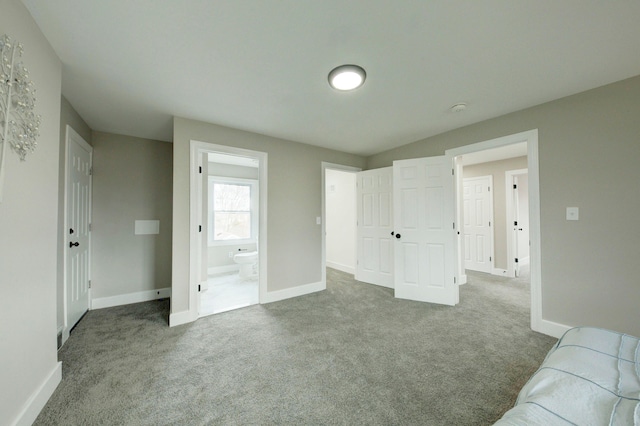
pixel 338 218
pixel 77 230
pixel 228 239
pixel 530 138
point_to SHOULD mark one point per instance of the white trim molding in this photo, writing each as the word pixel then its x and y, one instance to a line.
pixel 182 317
pixel 288 293
pixel 553 329
pixel 126 299
pixel 341 267
pixel 39 398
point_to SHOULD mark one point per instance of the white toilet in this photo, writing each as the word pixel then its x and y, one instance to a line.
pixel 248 262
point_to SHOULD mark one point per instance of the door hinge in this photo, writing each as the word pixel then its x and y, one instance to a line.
pixel 454 280
pixel 489 258
pixel 90 171
pixel 488 189
pixel 89 227
pixel 515 186
pixel 516 260
pixel 489 223
pixel 453 173
pixel 199 228
pixel 89 283
pixel 198 287
pixel 515 223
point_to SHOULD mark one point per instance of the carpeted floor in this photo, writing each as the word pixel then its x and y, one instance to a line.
pixel 349 355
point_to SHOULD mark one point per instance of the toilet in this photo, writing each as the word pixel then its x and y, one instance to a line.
pixel 248 262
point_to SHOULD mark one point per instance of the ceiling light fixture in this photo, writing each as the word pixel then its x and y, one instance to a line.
pixel 347 77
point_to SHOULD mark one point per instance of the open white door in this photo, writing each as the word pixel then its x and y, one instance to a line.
pixel 478 217
pixel 424 230
pixel 374 189
pixel 78 220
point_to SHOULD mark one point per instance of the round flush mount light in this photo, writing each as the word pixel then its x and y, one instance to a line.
pixel 347 77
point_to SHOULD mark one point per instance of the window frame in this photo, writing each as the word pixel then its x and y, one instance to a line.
pixel 255 220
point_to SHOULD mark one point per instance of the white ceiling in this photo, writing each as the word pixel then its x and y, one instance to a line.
pixel 262 65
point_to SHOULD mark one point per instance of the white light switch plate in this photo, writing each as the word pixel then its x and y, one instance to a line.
pixel 573 213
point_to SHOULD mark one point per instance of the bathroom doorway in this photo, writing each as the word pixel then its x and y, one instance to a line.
pixel 231 229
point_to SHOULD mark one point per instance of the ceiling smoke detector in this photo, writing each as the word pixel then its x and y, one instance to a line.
pixel 459 107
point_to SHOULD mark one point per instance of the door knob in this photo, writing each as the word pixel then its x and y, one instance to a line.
pixel 398 236
pixel 76 244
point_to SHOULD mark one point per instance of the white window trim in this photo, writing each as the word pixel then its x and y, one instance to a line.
pixel 254 215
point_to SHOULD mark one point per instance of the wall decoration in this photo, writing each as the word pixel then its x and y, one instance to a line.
pixel 18 123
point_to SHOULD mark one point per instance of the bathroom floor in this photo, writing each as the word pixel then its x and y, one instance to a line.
pixel 227 292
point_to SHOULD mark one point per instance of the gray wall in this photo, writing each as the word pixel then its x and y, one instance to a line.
pixel 68 116
pixel 294 197
pixel 589 147
pixel 131 181
pixel 497 170
pixel 29 232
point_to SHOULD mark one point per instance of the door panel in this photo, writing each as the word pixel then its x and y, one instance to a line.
pixel 477 223
pixel 78 228
pixel 424 219
pixel 375 262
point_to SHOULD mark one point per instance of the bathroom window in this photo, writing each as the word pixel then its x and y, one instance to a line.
pixel 232 215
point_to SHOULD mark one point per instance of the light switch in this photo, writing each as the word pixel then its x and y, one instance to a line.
pixel 573 213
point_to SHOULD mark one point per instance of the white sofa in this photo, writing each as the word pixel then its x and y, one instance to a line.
pixel 590 377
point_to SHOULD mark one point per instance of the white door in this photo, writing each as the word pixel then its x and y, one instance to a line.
pixel 374 190
pixel 477 208
pixel 78 232
pixel 424 230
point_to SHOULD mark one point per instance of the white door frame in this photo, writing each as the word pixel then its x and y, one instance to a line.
pixel 323 210
pixel 531 137
pixel 196 149
pixel 509 181
pixel 70 133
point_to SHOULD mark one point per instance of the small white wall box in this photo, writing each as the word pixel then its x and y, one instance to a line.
pixel 573 213
pixel 147 227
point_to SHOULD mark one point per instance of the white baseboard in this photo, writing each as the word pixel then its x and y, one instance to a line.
pixel 500 272
pixel 463 279
pixel 179 318
pixel 288 293
pixel 344 268
pixel 39 398
pixel 552 329
pixel 125 299
pixel 223 269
